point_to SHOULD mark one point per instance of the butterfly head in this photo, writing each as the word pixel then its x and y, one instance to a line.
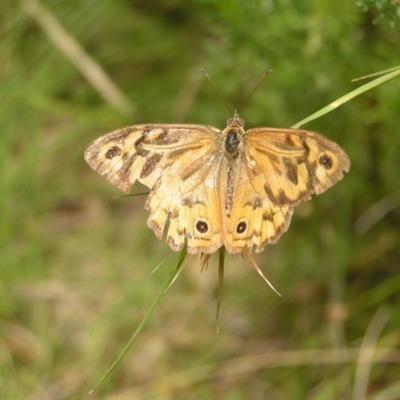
pixel 235 121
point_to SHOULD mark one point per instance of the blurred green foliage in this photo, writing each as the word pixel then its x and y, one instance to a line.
pixel 75 262
pixel 389 9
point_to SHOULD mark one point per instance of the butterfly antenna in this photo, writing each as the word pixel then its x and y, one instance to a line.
pixel 216 91
pixel 258 84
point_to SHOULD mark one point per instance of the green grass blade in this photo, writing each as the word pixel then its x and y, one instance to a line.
pixel 220 281
pixel 131 195
pixel 142 324
pixel 386 71
pixel 344 99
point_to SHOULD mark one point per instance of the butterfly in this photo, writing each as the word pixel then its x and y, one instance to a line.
pixel 231 188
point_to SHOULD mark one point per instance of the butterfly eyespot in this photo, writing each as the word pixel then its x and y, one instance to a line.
pixel 326 161
pixel 241 227
pixel 201 226
pixel 113 152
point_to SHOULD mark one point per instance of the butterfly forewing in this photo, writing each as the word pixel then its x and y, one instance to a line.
pixel 144 152
pixel 294 163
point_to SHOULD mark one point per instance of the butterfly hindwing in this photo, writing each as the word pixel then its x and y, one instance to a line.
pixel 193 214
pixel 255 219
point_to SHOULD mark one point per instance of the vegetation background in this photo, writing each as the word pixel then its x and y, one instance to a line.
pixel 76 261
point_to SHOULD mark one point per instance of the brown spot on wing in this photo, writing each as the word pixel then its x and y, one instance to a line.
pixel 142 153
pixel 267 216
pixel 257 203
pixel 280 199
pixel 289 140
pixel 174 213
pixel 186 201
pixel 304 157
pixel 113 152
pixel 273 157
pixel 138 142
pixel 192 168
pixel 291 170
pixel 326 161
pixel 176 153
pixel 312 177
pixel 122 178
pixel 150 165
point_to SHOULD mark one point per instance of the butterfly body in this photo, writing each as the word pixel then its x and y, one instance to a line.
pixel 231 188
